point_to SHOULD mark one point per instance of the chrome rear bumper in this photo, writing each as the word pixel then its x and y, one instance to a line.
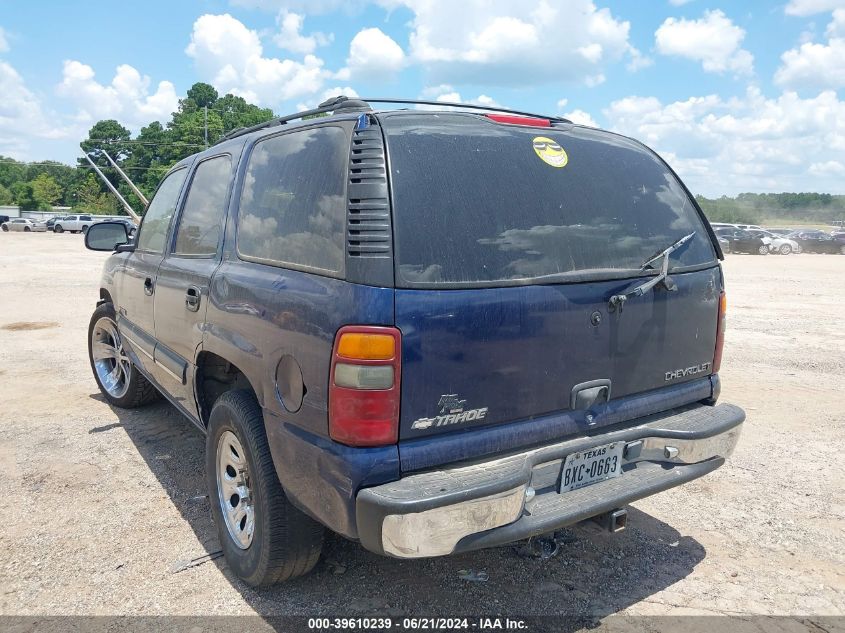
pixel 488 503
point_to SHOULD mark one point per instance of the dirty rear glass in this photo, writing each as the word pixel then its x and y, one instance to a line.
pixel 483 203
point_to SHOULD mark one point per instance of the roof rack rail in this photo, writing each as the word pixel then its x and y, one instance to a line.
pixel 329 105
pixel 342 102
pixel 468 106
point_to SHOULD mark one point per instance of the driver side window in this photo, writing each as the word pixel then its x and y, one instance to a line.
pixel 153 230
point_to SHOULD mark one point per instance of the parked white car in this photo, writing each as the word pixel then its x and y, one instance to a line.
pixel 74 223
pixel 24 224
pixel 777 243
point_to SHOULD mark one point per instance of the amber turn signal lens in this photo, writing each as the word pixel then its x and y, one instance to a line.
pixel 360 346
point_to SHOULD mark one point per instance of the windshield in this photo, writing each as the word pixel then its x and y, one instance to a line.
pixel 482 203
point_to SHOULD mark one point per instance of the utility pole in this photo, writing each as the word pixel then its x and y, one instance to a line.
pixel 128 208
pixel 129 182
pixel 205 124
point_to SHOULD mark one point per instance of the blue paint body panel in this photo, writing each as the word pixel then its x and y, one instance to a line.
pixel 322 477
pixel 519 351
pixel 477 443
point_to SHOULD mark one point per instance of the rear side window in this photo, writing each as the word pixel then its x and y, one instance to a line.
pixel 159 212
pixel 293 203
pixel 201 222
pixel 482 203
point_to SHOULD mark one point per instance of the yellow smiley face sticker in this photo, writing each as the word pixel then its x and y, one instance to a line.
pixel 550 152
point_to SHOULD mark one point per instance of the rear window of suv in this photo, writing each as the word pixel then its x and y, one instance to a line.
pixel 293 204
pixel 481 203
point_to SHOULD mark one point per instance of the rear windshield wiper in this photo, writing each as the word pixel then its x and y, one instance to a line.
pixel 618 301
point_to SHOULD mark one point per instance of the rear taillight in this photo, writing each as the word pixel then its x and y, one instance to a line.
pixel 720 332
pixel 514 119
pixel 364 386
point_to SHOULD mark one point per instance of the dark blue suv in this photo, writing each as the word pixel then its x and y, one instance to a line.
pixel 429 331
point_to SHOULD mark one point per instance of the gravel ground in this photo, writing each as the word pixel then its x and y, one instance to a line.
pixel 106 512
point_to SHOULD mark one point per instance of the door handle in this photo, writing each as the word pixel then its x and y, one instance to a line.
pixel 192 298
pixel 148 286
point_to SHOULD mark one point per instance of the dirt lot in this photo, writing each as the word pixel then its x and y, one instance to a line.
pixel 106 508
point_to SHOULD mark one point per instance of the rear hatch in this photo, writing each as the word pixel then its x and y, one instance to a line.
pixel 509 242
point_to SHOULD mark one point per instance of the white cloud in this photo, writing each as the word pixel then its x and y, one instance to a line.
pixel 814 66
pixel 346 91
pixel 373 56
pixel 581 118
pixel 830 167
pixel 4 41
pixel 290 35
pixel 447 94
pixel 127 98
pixel 713 40
pixel 638 60
pixel 836 28
pixel 516 43
pixel 752 143
pixel 591 81
pixel 23 120
pixel 811 7
pixel 230 57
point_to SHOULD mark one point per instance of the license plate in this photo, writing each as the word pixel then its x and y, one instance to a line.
pixel 591 466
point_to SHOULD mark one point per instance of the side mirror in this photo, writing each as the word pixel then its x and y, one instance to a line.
pixel 106 236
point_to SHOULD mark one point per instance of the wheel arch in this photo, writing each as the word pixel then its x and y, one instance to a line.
pixel 216 375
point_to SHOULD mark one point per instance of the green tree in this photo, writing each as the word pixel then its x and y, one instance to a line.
pixel 11 171
pixel 46 191
pixel 89 197
pixel 237 113
pixel 202 94
pixel 6 196
pixel 22 193
pixel 152 156
pixel 110 136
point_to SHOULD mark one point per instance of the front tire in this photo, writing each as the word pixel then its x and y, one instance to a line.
pixel 842 250
pixel 785 249
pixel 26 229
pixel 120 382
pixel 84 230
pixel 264 538
pixel 58 229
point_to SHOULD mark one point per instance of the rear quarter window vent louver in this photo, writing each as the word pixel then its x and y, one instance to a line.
pixel 368 231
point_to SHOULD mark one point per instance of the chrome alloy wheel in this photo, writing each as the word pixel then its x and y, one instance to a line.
pixel 233 491
pixel 110 360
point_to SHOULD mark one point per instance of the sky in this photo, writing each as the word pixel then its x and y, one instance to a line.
pixel 737 96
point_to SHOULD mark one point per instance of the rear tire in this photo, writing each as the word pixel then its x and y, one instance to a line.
pixel 264 538
pixel 124 386
pixel 58 228
pixel 763 250
pixel 84 230
pixel 26 229
pixel 5 228
pixel 842 250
